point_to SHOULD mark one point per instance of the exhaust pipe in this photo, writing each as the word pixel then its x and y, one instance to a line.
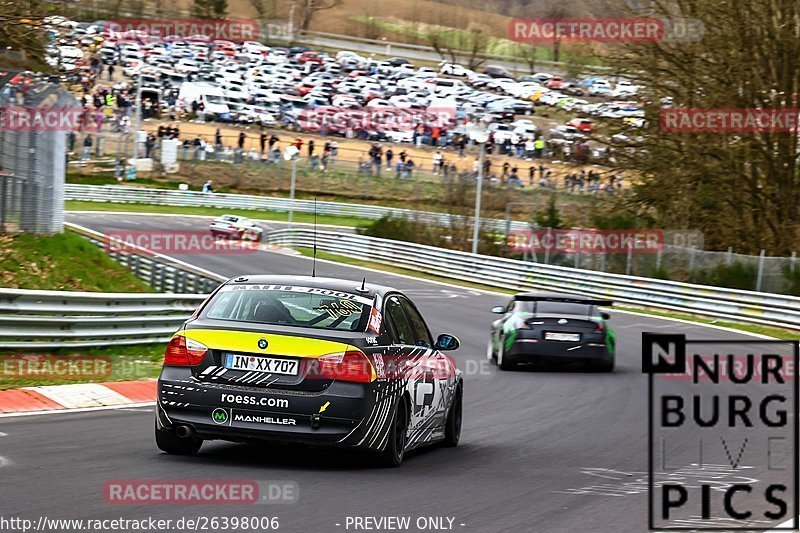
pixel 184 432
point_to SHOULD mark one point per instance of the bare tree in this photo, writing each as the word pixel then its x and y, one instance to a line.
pixel 740 189
pixel 306 9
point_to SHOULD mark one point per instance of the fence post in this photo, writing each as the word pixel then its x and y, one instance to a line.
pixel 547 249
pixel 658 258
pixel 729 258
pixel 691 261
pixel 761 258
pixel 628 266
pixel 793 262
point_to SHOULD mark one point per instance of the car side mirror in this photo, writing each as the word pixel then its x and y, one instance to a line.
pixel 605 315
pixel 447 342
pixel 499 310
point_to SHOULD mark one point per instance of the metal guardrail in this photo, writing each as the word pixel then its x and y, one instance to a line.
pixel 398 49
pixel 50 319
pixel 142 195
pixel 712 302
pixel 157 270
pixel 59 319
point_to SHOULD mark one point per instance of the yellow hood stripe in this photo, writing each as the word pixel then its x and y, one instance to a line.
pixel 247 341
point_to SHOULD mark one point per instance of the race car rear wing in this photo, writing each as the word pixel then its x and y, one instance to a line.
pixel 565 298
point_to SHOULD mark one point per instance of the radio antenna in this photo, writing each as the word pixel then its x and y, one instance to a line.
pixel 314 260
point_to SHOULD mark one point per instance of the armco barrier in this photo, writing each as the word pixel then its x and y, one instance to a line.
pixel 712 302
pixel 49 319
pixel 142 195
pixel 157 270
pixel 56 319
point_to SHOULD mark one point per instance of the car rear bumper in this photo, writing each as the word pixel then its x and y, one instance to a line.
pixel 345 414
pixel 539 351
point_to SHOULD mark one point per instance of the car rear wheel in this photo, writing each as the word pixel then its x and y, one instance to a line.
pixel 168 441
pixel 392 456
pixel 502 362
pixel 452 428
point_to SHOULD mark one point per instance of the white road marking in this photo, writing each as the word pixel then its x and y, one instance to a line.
pixel 3 434
pixel 4 462
pixel 79 410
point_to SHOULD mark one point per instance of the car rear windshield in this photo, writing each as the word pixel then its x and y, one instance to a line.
pixel 307 307
pixel 555 308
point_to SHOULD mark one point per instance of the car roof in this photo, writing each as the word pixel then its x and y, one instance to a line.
pixel 334 284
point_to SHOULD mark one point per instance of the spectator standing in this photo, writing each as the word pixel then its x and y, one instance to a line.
pixel 87 146
pixel 389 156
pixel 437 162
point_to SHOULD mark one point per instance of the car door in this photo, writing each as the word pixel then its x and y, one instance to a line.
pixel 436 369
pixel 408 360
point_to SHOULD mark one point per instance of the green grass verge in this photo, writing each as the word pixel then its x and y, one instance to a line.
pixel 62 262
pixel 113 363
pixel 77 205
pixel 750 328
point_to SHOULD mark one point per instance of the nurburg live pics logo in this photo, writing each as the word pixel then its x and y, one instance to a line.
pixel 744 419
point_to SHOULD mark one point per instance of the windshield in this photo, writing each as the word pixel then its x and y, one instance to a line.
pixel 306 307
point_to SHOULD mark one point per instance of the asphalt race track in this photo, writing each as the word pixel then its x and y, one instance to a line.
pixel 545 451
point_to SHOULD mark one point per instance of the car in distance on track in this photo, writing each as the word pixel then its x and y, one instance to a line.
pixel 552 328
pixel 308 360
pixel 237 227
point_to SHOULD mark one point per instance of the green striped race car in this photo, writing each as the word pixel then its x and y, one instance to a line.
pixel 559 329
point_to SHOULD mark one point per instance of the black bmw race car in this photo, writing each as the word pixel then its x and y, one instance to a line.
pixel 552 328
pixel 308 360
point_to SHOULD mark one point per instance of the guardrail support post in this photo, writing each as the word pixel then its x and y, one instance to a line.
pixel 629 265
pixel 547 249
pixel 761 258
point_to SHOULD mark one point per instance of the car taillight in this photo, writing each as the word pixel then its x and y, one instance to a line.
pixel 352 365
pixel 184 352
pixel 600 329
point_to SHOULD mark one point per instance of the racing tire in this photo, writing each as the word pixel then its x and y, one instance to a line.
pixel 452 428
pixel 502 362
pixel 168 441
pixel 392 456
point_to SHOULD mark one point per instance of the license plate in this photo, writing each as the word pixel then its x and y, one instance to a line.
pixel 269 365
pixel 566 337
